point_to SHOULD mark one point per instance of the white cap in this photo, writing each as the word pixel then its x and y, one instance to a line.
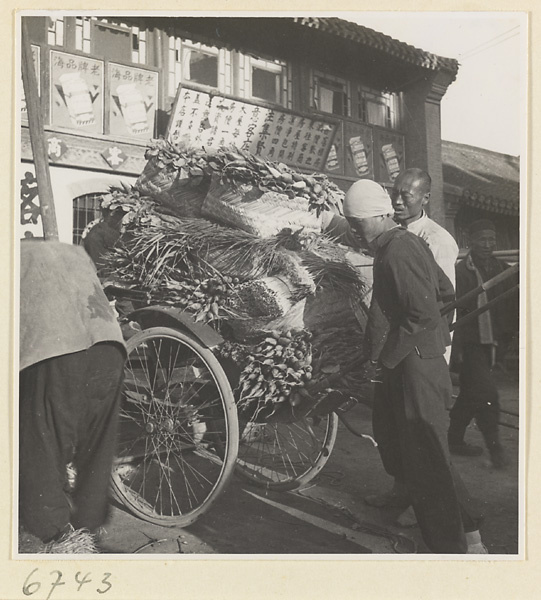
pixel 366 198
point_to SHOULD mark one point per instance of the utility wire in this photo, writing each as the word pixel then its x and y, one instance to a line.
pixel 488 41
pixel 489 44
pixel 492 46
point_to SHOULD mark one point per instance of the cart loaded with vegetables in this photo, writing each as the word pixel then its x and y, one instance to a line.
pixel 250 324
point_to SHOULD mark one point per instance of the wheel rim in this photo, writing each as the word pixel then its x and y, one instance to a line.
pixel 173 429
pixel 285 454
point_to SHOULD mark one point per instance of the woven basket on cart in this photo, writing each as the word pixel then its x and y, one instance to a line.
pixel 258 213
pixel 183 196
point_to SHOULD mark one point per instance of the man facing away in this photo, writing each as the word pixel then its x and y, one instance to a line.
pixel 475 345
pixel 409 418
pixel 71 370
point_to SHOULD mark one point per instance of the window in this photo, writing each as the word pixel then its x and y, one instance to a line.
pixel 55 32
pixel 138 45
pixel 268 80
pixel 192 62
pixel 111 38
pixel 82 34
pixel 379 108
pixel 331 95
pixel 86 209
pixel 200 66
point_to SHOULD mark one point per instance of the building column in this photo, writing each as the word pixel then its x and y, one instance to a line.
pixel 422 107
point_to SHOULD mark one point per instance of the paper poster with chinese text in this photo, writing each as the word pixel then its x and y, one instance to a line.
pixel 133 100
pixel 76 92
pixel 359 151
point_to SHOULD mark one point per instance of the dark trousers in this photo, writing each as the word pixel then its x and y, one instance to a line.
pixel 410 427
pixel 478 397
pixel 68 412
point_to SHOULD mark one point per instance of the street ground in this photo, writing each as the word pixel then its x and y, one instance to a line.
pixel 329 516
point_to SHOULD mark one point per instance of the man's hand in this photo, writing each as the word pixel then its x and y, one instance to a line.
pixel 373 372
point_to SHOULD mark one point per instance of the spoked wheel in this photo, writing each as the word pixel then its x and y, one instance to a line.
pixel 178 429
pixel 285 456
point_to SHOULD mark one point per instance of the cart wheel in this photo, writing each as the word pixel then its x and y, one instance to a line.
pixel 178 429
pixel 285 456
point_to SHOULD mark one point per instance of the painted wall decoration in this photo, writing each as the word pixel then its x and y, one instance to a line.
pixel 390 155
pixel 36 58
pixel 212 121
pixel 76 92
pixel 30 216
pixel 359 150
pixel 133 101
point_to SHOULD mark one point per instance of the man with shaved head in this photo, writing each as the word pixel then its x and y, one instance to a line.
pixel 410 194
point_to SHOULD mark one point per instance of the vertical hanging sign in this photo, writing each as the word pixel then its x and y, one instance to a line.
pixel 133 100
pixel 359 160
pixel 390 155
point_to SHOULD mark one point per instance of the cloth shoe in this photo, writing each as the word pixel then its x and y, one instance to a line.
pixel 498 457
pixel 397 497
pixel 475 544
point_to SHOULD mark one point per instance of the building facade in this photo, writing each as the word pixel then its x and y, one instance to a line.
pixel 481 184
pixel 108 86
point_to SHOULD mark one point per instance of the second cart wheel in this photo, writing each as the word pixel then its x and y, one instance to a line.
pixel 285 456
pixel 178 429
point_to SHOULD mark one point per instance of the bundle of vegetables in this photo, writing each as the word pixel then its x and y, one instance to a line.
pixel 177 180
pixel 169 163
pixel 271 371
pixel 205 299
pixel 211 271
pixel 208 270
pixel 263 215
pixel 248 169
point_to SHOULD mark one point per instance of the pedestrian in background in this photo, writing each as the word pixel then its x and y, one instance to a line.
pixel 476 343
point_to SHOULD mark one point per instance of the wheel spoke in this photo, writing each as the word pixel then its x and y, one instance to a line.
pixel 173 412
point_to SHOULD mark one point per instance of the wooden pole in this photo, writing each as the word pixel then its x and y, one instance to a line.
pixel 484 287
pixel 37 139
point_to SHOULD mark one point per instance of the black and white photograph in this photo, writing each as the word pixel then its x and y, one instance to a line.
pixel 270 288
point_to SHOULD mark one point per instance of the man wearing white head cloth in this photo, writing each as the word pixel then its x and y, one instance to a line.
pixel 409 418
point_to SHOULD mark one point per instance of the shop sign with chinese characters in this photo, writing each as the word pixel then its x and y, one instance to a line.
pixel 76 92
pixel 214 121
pixel 36 50
pixel 133 97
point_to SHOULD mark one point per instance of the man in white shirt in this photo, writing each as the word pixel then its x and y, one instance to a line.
pixel 410 193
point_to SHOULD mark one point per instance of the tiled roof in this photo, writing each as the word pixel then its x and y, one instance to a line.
pixel 488 180
pixel 379 41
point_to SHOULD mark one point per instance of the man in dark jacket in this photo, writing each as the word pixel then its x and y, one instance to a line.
pixel 475 345
pixel 409 417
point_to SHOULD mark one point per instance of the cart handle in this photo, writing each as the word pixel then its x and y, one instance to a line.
pixel 484 287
